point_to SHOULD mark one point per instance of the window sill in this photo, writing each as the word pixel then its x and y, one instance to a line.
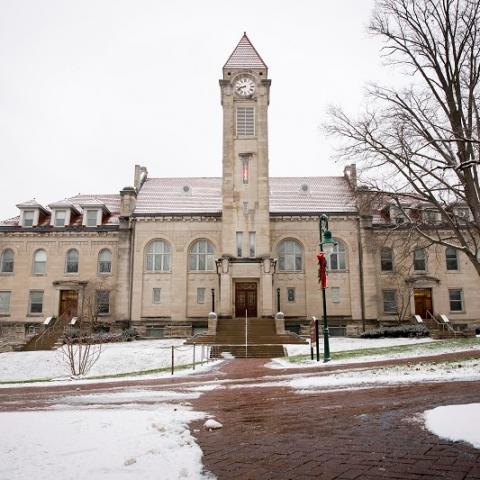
pixel 104 274
pixel 156 272
pixel 4 314
pixel 6 274
pixel 71 274
pixel 455 312
pixel 104 314
pixel 201 271
pixel 35 315
pixel 338 271
pixel 39 274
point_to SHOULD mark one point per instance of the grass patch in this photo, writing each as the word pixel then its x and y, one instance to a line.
pixel 427 348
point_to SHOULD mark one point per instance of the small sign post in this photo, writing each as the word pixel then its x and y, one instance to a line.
pixel 314 338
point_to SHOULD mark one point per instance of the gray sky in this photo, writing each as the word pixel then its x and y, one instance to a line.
pixel 89 88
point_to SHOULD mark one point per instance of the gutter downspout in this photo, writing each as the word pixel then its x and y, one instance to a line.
pixel 361 274
pixel 131 262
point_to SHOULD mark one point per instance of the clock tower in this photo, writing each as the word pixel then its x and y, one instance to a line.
pixel 245 91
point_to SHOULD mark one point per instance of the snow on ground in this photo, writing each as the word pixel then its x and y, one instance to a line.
pixel 455 422
pixel 349 379
pixel 116 358
pixel 341 344
pixel 100 444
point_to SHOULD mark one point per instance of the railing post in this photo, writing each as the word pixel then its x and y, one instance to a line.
pixel 194 356
pixel 246 333
pixel 173 359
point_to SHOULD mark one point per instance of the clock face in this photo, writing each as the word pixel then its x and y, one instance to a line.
pixel 244 86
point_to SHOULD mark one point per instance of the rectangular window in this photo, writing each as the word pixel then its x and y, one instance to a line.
pixel 35 304
pixel 389 301
pixel 5 303
pixel 60 216
pixel 245 121
pixel 251 244
pixel 335 294
pixel 103 302
pixel 451 258
pixel 28 218
pixel 455 295
pixel 200 295
pixel 245 167
pixel 239 243
pixel 386 260
pixel 419 260
pixel 290 295
pixel 156 296
pixel 91 218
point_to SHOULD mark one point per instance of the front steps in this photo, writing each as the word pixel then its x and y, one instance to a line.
pixel 256 340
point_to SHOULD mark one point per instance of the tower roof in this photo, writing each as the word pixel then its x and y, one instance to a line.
pixel 245 56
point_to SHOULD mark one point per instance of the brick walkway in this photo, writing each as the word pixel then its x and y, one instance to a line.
pixel 275 433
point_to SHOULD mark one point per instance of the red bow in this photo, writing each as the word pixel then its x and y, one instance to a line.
pixel 322 269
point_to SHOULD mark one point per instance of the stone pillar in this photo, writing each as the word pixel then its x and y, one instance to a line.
pixel 266 283
pixel 225 300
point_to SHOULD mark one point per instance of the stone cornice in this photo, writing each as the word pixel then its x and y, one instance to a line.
pixel 56 234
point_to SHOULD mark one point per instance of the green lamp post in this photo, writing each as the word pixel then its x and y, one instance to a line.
pixel 327 246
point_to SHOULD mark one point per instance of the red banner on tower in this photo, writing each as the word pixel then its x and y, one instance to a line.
pixel 322 269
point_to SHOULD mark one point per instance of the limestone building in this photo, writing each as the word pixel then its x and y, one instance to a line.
pixel 167 251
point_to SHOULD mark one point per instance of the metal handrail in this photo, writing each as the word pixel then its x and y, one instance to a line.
pixel 47 333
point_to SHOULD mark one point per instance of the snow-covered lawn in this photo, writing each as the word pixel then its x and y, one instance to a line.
pixel 116 358
pixel 413 348
pixel 348 379
pixel 455 422
pixel 102 440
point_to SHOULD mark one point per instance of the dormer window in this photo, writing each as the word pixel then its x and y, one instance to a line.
pixel 60 217
pixel 462 215
pixel 91 218
pixel 93 211
pixel 31 213
pixel 28 218
pixel 432 216
pixel 62 212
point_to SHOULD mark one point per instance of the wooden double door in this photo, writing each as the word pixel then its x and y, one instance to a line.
pixel 246 299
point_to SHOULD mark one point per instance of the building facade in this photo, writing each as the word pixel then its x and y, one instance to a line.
pixel 167 251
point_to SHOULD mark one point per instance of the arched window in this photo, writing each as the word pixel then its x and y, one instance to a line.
pixel 40 261
pixel 201 256
pixel 338 258
pixel 451 258
pixel 105 261
pixel 6 263
pixel 157 256
pixel 386 259
pixel 290 256
pixel 71 261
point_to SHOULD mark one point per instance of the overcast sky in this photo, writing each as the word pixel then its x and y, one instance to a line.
pixel 89 88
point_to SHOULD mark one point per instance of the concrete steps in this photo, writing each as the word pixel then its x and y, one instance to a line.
pixel 259 335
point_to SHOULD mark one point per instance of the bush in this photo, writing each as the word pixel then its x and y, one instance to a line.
pixel 396 332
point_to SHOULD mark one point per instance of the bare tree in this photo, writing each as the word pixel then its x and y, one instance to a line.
pixel 424 139
pixel 82 348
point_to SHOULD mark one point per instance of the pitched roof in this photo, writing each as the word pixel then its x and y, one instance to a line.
pixel 195 195
pixel 110 201
pixel 245 56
